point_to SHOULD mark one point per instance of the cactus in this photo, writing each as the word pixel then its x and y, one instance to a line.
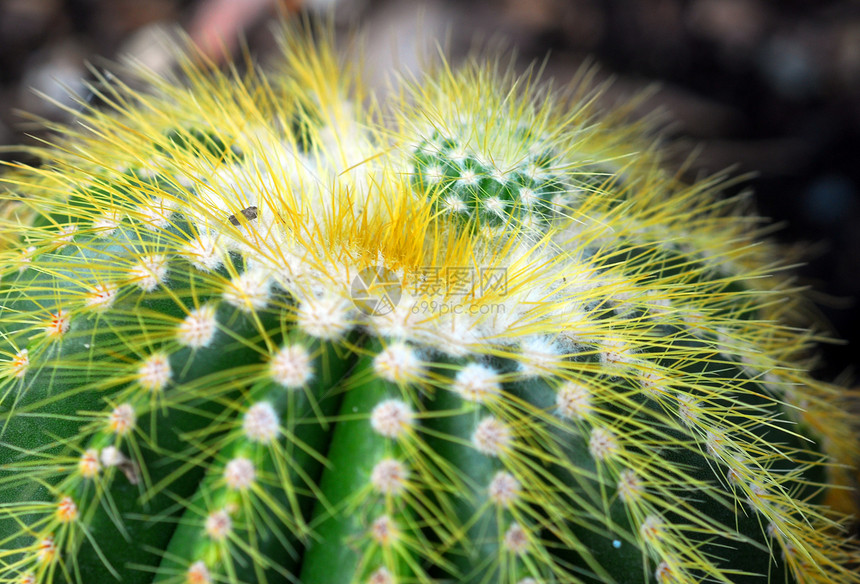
pixel 262 327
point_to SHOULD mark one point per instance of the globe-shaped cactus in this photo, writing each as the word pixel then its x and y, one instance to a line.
pixel 261 327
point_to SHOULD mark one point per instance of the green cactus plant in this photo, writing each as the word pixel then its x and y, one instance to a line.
pixel 262 328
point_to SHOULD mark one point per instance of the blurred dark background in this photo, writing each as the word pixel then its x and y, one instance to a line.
pixel 764 86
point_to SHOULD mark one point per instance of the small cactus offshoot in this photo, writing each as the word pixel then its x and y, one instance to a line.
pixel 263 328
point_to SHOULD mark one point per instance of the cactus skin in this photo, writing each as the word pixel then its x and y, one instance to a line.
pixel 188 393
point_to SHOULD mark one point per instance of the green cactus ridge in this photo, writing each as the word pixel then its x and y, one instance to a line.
pixel 264 328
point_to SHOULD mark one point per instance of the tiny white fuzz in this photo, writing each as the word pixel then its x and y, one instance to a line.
pixel 459 155
pixel 291 367
pixel 198 573
pixel 734 476
pixel 111 456
pixel 560 204
pixel 89 465
pixel 199 327
pixel 653 384
pixel 26 258
pixel 663 573
pixel 716 443
pixel 477 383
pixel 67 510
pixel 106 224
pixel 490 231
pixel 602 444
pixel 499 176
pixel 697 322
pixel 454 204
pixel 101 297
pixel 455 336
pixel 47 549
pixel 239 474
pixel 687 410
pixel 398 363
pixel 204 253
pixel 504 489
pixel 384 530
pixel 389 477
pixel 615 352
pixel 528 197
pixel 492 437
pixel 530 223
pixel 573 401
pixel 534 172
pixel 261 423
pixel 516 539
pixel 58 325
pixel 20 363
pixel 381 576
pixel 758 497
pixel 773 531
pixel 29 578
pixel 399 323
pixel 155 373
pixel 219 525
pixel 249 291
pixel 652 529
pixel 468 177
pixel 495 205
pixel 539 356
pixel 790 551
pixel 156 215
pixel 149 272
pixel 753 366
pixel 122 419
pixel 392 418
pixel 66 235
pixel 629 486
pixel 434 174
pixel 326 318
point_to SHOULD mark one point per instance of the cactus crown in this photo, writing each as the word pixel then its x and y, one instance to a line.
pixel 260 328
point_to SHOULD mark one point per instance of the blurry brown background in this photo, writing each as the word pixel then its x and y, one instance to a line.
pixel 771 86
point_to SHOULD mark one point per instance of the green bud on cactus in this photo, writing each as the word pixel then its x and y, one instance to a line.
pixel 255 330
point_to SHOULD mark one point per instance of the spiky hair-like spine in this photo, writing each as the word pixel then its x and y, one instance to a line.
pixel 258 328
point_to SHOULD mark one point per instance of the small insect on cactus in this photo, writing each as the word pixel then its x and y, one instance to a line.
pixel 265 328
